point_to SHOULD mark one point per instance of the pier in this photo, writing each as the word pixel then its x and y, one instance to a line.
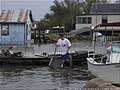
pixel 42 54
pixel 38 59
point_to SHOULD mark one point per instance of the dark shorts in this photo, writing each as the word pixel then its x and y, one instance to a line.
pixel 66 56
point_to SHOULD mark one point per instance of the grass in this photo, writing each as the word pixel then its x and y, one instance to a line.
pixel 53 36
pixel 72 38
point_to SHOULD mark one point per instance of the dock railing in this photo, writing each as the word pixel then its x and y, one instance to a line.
pixel 28 51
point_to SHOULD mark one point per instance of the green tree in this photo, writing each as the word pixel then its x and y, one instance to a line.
pixel 87 6
pixel 72 9
pixel 63 13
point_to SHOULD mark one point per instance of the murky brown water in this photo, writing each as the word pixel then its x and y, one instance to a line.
pixel 41 78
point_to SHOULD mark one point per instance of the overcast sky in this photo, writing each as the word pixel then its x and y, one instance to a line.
pixel 39 7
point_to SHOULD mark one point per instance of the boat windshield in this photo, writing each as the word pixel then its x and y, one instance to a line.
pixel 116 47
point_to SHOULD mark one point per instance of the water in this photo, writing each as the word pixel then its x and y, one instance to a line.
pixel 39 78
pixel 81 46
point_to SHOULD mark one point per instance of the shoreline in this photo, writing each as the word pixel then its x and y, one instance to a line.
pixel 99 84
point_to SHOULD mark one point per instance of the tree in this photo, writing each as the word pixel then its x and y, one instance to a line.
pixel 102 1
pixel 87 6
pixel 73 9
pixel 63 13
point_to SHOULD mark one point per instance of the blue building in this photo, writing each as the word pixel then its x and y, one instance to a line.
pixel 15 27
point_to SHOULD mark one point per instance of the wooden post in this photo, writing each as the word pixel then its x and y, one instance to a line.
pixel 71 63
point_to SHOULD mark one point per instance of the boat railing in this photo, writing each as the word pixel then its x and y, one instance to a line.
pixel 104 58
pixel 89 53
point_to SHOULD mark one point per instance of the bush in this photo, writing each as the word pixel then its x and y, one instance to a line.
pixel 55 36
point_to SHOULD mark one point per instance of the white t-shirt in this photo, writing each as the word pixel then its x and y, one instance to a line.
pixel 63 45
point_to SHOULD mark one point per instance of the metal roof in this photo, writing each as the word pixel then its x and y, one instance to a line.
pixel 105 8
pixel 14 16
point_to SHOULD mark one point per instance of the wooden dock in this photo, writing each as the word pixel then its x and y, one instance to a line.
pixel 78 57
pixel 25 59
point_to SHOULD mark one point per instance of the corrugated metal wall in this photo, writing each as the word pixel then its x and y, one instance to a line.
pixel 19 27
pixel 16 35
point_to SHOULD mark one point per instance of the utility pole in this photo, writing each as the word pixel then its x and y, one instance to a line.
pixel 39 36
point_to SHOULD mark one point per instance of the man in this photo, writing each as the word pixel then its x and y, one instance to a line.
pixel 64 45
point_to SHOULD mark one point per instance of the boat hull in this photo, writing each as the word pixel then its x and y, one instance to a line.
pixel 107 72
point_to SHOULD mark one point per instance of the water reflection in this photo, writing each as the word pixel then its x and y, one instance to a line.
pixel 40 78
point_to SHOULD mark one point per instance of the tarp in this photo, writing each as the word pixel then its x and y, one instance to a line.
pixel 80 31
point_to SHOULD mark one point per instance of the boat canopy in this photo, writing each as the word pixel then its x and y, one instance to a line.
pixel 108 24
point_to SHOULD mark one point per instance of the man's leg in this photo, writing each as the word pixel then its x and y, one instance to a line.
pixel 63 60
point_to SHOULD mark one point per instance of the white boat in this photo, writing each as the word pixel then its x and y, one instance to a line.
pixel 107 67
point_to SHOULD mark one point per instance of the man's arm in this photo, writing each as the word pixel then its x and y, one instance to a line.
pixel 68 49
pixel 69 45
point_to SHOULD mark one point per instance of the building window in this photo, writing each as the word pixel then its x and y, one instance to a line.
pixel 104 19
pixel 4 30
pixel 84 20
pixel 89 20
pixel 79 20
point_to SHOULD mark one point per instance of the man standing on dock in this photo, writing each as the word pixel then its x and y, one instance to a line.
pixel 64 44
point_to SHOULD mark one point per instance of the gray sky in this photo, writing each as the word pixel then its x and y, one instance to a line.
pixel 39 7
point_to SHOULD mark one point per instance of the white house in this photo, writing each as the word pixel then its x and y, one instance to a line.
pixel 100 13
